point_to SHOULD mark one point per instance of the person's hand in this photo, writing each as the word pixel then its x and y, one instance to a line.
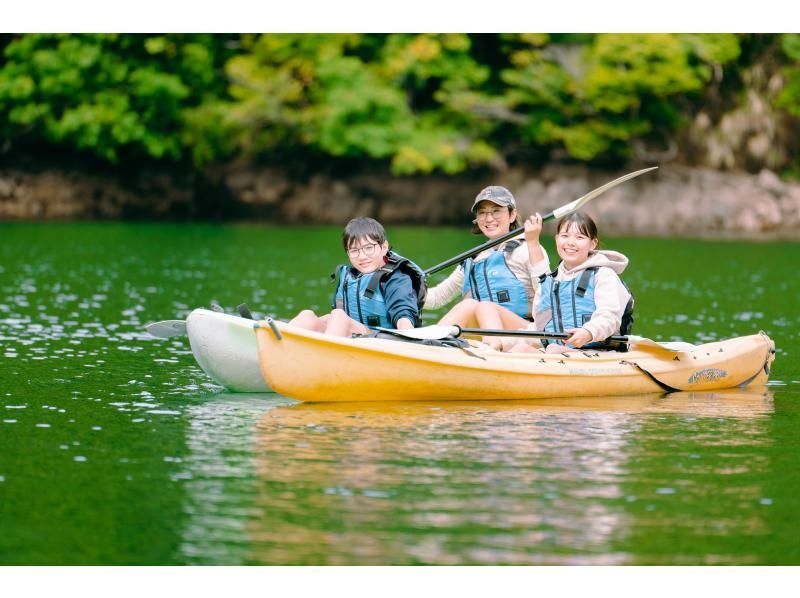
pixel 533 228
pixel 404 324
pixel 578 337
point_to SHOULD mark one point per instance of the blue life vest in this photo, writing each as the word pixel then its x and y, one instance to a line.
pixel 492 280
pixel 571 304
pixel 360 295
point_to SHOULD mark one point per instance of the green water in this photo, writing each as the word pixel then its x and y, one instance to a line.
pixel 115 448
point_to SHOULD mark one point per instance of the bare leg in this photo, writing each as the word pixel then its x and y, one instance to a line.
pixel 494 316
pixel 462 313
pixel 308 319
pixel 555 348
pixel 523 347
pixel 340 324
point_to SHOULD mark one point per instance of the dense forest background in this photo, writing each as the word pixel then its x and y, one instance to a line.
pixel 199 106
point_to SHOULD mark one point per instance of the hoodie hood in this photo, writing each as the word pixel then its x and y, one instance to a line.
pixel 598 259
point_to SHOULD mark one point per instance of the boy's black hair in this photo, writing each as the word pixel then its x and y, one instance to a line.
pixel 360 228
pixel 584 223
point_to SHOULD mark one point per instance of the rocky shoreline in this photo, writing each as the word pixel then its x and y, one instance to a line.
pixel 672 201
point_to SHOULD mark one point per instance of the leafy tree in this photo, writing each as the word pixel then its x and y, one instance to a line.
pixel 790 95
pixel 417 102
pixel 112 96
pixel 595 97
pixel 347 96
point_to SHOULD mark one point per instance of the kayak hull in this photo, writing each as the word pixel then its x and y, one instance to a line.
pixel 313 367
pixel 225 347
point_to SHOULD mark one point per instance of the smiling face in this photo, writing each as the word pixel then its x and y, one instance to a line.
pixel 574 244
pixel 366 254
pixel 494 220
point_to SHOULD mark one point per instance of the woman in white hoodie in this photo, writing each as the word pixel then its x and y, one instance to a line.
pixel 583 297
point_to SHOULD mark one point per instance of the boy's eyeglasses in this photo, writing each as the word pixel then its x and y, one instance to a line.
pixel 495 214
pixel 369 250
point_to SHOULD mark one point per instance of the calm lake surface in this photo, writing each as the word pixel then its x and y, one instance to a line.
pixel 115 448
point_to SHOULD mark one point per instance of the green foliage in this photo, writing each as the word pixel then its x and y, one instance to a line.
pixel 420 103
pixel 112 96
pixel 789 97
pixel 344 95
pixel 594 97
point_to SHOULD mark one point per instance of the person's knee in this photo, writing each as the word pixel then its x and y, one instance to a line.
pixel 521 347
pixel 304 318
pixel 470 303
pixel 484 307
pixel 339 315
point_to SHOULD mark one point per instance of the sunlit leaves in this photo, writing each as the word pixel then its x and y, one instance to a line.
pixel 789 97
pixel 419 103
pixel 400 100
pixel 108 95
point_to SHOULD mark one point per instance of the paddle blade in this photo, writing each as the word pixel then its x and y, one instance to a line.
pixel 576 205
pixel 167 328
pixel 645 344
pixel 426 333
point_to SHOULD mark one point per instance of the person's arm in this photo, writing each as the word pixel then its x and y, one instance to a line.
pixel 533 230
pixel 337 300
pixel 537 300
pixel 536 269
pixel 401 301
pixel 447 290
pixel 404 324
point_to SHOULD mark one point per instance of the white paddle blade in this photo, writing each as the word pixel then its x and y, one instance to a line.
pixel 167 328
pixel 645 344
pixel 426 333
pixel 576 205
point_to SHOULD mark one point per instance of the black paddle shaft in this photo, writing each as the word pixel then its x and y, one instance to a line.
pixel 488 245
pixel 533 334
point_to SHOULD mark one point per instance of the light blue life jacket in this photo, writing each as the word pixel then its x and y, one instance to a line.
pixel 570 304
pixel 360 295
pixel 492 280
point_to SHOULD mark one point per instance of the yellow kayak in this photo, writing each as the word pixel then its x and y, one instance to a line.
pixel 313 367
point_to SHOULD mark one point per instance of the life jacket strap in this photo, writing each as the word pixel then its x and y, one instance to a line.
pixel 511 246
pixel 584 280
pixel 376 279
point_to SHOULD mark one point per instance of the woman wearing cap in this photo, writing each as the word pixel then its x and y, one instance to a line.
pixel 507 274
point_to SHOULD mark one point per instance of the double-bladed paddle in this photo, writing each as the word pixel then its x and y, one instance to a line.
pixel 439 332
pixel 566 210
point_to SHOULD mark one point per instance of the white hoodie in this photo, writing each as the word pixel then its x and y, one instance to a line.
pixel 610 295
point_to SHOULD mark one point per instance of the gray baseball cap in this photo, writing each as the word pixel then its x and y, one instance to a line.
pixel 497 195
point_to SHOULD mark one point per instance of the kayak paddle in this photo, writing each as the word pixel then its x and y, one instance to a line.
pixel 438 332
pixel 167 328
pixel 170 328
pixel 565 210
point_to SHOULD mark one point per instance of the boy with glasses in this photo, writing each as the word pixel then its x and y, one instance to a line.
pixel 379 289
